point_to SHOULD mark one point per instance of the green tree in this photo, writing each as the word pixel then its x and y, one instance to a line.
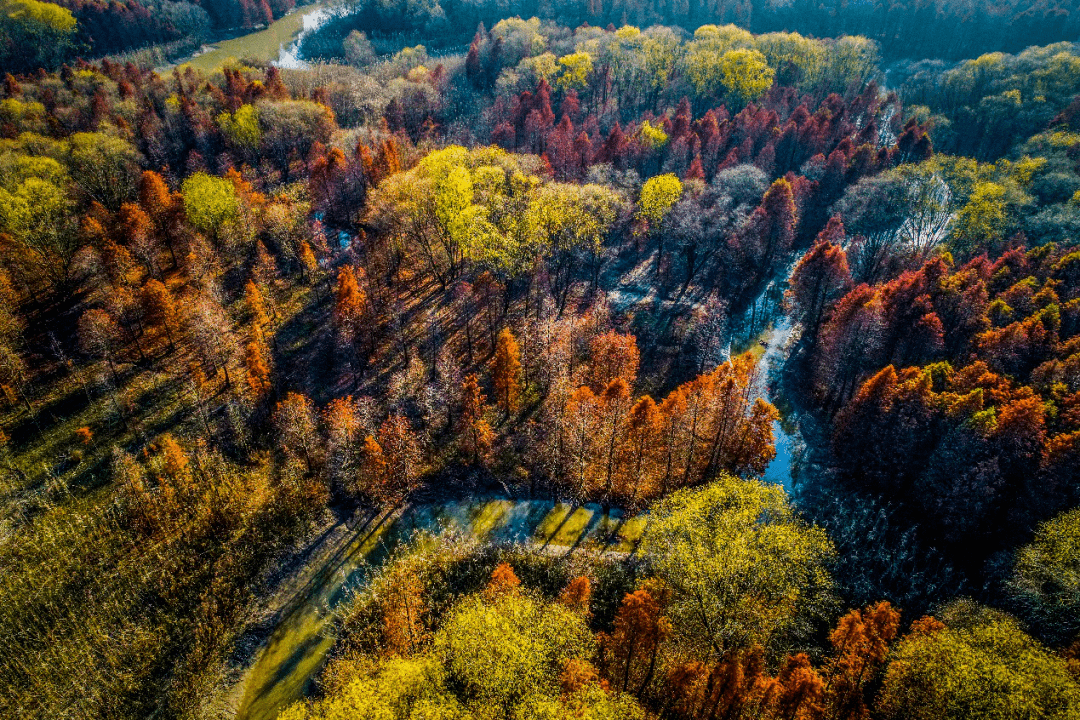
pixel 576 68
pixel 502 651
pixel 37 218
pixel 567 224
pixel 743 568
pixel 745 74
pixel 1046 577
pixel 658 194
pixel 979 665
pixel 209 202
pixel 241 128
pixel 104 167
pixel 34 34
pixel 981 223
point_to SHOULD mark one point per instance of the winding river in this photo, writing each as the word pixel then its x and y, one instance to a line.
pixel 278 42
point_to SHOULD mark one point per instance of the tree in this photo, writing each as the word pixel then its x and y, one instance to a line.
pixel 658 194
pixel 742 567
pixel 256 307
pixel 343 426
pixel 12 365
pixel 400 452
pixel 104 167
pixel 819 279
pixel 35 34
pixel 504 582
pixel 577 596
pixel 632 649
pixel 475 433
pixel 979 664
pixel 210 202
pixel 611 427
pixel 771 228
pixel 643 434
pixel 566 225
pixel 159 309
pixel 154 196
pixel 257 367
pixel 745 74
pixel 99 336
pixel 241 128
pixel 211 333
pixel 37 218
pixel 291 128
pixel 403 607
pixel 506 372
pixel 308 263
pixel 349 306
pixel 860 644
pixel 504 650
pixel 371 477
pixel 613 355
pixel 1046 578
pixel 981 223
pixel 295 426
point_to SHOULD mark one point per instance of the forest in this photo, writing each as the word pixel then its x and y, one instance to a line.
pixel 563 360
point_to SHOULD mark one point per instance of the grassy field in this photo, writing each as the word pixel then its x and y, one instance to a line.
pixel 263 44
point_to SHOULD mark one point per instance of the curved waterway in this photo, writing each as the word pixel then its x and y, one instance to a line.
pixel 297 647
pixel 764 330
pixel 278 42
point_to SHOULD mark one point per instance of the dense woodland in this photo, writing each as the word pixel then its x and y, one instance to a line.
pixel 238 308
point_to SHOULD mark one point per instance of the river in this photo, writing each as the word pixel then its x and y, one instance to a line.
pixel 766 331
pixel 278 43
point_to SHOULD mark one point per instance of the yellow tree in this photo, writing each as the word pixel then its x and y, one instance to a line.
pixel 658 195
pixel 742 566
pixel 978 663
pixel 745 74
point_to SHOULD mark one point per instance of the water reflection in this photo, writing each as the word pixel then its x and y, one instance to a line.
pixel 289 57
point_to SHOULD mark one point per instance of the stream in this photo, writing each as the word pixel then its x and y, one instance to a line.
pixel 766 331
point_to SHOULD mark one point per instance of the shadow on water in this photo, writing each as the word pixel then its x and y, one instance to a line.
pixel 765 331
pixel 283 668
